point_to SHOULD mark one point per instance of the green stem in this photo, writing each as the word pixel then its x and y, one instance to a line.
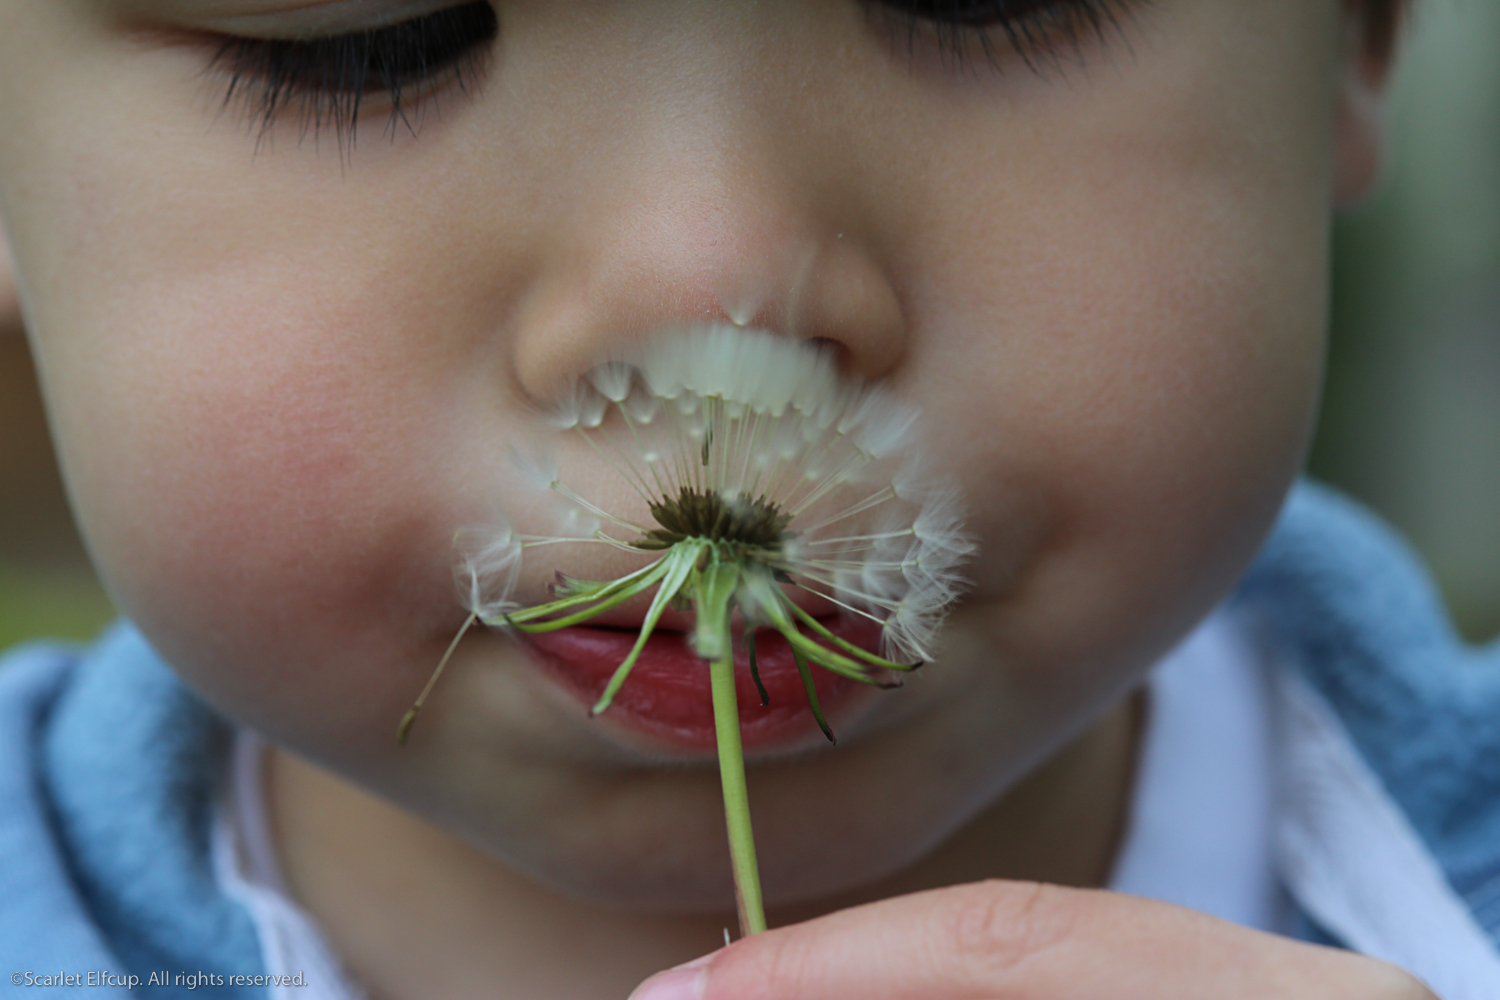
pixel 765 698
pixel 736 801
pixel 615 593
pixel 773 605
pixel 845 644
pixel 678 563
pixel 812 694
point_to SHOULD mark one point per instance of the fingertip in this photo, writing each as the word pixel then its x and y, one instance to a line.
pixel 682 983
pixel 687 981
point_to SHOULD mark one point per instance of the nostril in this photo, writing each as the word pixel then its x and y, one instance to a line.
pixel 835 349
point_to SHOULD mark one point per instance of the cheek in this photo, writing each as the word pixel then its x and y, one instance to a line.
pixel 261 475
pixel 1169 411
pixel 1123 328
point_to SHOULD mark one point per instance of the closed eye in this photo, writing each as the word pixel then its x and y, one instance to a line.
pixel 1032 29
pixel 327 81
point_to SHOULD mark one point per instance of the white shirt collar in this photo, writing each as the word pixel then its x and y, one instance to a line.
pixel 245 865
pixel 1200 827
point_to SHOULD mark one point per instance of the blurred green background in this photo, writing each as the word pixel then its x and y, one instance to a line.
pixel 1411 415
pixel 1411 421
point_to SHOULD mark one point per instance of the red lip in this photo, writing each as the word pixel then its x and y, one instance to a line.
pixel 667 694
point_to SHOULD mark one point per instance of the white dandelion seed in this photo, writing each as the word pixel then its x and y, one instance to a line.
pixel 487 574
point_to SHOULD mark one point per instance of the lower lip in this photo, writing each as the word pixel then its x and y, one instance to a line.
pixel 667 694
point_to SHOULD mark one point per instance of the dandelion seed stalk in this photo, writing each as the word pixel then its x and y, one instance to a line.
pixel 762 467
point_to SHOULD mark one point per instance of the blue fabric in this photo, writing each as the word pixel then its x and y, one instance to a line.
pixel 1348 597
pixel 108 764
pixel 108 767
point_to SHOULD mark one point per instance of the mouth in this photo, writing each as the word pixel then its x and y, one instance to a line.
pixel 667 696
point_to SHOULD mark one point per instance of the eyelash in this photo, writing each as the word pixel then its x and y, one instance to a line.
pixel 1032 29
pixel 328 78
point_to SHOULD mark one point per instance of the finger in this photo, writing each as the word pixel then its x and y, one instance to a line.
pixel 996 940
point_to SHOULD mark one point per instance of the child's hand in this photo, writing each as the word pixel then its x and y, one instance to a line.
pixel 1019 939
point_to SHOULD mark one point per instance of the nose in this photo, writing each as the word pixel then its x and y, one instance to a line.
pixel 704 203
pixel 704 245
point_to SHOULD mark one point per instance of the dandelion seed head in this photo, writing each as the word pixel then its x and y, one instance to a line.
pixel 758 443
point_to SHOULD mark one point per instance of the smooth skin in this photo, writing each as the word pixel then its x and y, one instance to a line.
pixel 280 377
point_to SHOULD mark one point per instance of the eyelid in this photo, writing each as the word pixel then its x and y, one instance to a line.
pixel 326 81
pixel 281 19
pixel 1035 34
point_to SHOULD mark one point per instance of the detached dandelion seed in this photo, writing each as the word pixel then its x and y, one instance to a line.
pixel 761 466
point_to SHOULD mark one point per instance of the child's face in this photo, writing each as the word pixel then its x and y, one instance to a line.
pixel 279 381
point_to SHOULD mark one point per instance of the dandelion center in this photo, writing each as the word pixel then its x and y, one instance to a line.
pixel 751 526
